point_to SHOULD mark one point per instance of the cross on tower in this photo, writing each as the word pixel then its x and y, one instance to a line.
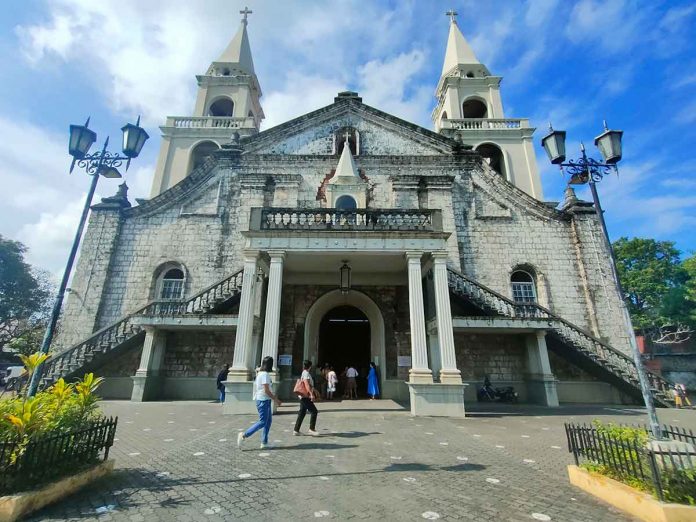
pixel 245 12
pixel 347 136
pixel 452 14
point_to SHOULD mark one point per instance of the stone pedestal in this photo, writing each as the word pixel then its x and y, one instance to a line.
pixel 146 387
pixel 239 398
pixel 541 389
pixel 437 399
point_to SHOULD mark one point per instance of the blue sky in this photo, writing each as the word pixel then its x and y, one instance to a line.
pixel 570 62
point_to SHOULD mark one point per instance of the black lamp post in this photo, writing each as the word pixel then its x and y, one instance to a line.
pixel 103 163
pixel 588 170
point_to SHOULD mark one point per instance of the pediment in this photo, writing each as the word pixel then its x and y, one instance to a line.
pixel 380 134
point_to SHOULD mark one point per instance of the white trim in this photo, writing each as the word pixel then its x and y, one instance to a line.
pixel 362 302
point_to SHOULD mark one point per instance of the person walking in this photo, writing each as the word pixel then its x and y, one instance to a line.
pixel 331 381
pixel 684 396
pixel 307 402
pixel 372 382
pixel 351 375
pixel 263 395
pixel 222 377
pixel 676 392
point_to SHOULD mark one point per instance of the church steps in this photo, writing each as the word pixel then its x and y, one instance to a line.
pixel 125 333
pixel 569 340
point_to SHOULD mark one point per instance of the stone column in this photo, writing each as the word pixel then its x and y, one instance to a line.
pixel 272 323
pixel 419 373
pixel 541 384
pixel 147 379
pixel 449 372
pixel 241 370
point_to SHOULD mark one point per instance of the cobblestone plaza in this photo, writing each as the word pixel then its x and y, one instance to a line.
pixel 178 461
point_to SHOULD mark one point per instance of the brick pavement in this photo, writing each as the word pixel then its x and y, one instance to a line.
pixel 177 461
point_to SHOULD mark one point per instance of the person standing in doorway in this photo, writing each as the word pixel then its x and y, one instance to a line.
pixel 221 378
pixel 372 382
pixel 307 402
pixel 351 375
pixel 263 395
pixel 331 381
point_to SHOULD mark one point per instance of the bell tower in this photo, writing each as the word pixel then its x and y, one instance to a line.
pixel 470 108
pixel 228 101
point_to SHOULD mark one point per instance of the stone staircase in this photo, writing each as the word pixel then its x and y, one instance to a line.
pixel 124 332
pixel 581 345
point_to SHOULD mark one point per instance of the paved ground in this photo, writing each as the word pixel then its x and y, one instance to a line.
pixel 178 461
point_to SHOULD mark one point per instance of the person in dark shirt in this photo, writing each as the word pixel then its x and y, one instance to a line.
pixel 222 376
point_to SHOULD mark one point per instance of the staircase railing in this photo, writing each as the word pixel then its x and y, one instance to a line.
pixel 113 335
pixel 614 360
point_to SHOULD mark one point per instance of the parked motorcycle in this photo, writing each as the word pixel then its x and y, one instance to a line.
pixel 489 393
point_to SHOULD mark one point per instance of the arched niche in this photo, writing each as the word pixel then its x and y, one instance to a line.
pixel 474 108
pixel 200 153
pixel 334 299
pixel 494 156
pixel 223 107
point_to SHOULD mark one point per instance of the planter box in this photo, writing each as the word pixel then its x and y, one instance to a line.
pixel 638 503
pixel 13 507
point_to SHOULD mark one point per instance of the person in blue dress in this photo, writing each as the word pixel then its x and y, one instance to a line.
pixel 372 382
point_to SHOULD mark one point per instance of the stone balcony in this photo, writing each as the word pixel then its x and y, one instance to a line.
pixel 208 122
pixel 483 124
pixel 268 219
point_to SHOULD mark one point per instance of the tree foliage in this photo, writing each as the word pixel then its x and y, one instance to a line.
pixel 660 290
pixel 24 292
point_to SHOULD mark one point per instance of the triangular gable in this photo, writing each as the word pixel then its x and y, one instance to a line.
pixel 380 133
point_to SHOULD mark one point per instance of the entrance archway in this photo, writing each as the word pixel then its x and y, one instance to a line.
pixel 334 299
pixel 344 340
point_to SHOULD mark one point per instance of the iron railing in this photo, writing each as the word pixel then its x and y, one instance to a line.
pixel 114 335
pixel 659 468
pixel 24 465
pixel 615 361
pixel 331 219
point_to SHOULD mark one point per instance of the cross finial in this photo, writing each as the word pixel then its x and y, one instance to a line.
pixel 347 136
pixel 452 14
pixel 245 13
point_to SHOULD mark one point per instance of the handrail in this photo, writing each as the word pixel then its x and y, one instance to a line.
pixel 122 329
pixel 585 341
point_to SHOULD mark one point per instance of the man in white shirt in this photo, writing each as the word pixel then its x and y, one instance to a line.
pixel 351 385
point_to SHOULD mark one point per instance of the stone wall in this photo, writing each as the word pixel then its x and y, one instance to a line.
pixel 197 354
pixel 501 357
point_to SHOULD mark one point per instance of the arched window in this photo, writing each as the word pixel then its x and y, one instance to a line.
pixel 221 107
pixel 201 152
pixel 493 156
pixel 172 284
pixel 474 108
pixel 346 203
pixel 523 287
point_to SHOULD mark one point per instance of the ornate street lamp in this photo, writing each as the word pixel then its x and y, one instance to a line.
pixel 103 163
pixel 588 170
pixel 344 281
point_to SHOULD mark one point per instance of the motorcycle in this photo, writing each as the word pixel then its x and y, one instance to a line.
pixel 489 393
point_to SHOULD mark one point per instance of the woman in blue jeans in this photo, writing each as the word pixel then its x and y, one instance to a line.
pixel 263 395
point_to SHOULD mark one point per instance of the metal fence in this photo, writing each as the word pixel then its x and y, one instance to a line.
pixel 668 472
pixel 23 465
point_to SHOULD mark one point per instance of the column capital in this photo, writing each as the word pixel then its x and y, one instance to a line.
pixel 440 256
pixel 413 254
pixel 276 255
pixel 250 256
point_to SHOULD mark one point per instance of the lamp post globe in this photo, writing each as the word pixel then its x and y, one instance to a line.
pixel 554 145
pixel 134 137
pixel 609 145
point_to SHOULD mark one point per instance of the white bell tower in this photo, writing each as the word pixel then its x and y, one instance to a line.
pixel 228 101
pixel 470 108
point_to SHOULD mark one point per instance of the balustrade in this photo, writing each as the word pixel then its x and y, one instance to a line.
pixel 487 123
pixel 206 122
pixel 355 219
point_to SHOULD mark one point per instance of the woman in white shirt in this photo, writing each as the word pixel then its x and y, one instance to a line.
pixel 263 395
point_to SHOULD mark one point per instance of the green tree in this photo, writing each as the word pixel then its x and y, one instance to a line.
pixel 24 293
pixel 689 266
pixel 654 282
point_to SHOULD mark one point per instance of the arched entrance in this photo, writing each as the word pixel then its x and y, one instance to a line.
pixel 358 301
pixel 344 340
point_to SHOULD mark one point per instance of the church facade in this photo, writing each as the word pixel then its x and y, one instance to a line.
pixel 346 236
